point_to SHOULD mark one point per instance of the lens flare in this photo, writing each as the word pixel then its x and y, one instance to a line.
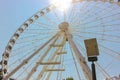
pixel 62 4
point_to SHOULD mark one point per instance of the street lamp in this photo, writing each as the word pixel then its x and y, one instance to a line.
pixel 92 53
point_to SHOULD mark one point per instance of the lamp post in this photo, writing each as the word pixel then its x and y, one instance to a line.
pixel 92 53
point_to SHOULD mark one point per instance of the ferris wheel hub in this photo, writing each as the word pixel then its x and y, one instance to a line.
pixel 63 26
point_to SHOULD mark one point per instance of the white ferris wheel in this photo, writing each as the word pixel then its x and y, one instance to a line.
pixel 50 44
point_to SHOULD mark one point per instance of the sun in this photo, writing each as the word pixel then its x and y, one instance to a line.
pixel 62 4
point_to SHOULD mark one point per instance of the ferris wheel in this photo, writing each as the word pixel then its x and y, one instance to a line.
pixel 50 44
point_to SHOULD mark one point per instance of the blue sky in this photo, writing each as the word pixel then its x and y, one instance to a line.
pixel 13 13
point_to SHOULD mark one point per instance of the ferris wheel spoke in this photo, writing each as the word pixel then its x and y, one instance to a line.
pixel 35 35
pixel 26 45
pixel 71 20
pixel 99 38
pixel 19 60
pixel 56 15
pixel 90 11
pixel 107 35
pixel 40 33
pixel 103 10
pixel 75 65
pixel 80 45
pixel 29 36
pixel 34 40
pixel 25 71
pixel 80 37
pixel 110 65
pixel 105 31
pixel 40 29
pixel 114 54
pixel 21 51
pixel 49 20
pixel 109 31
pixel 96 26
pixel 76 20
pixel 102 25
pixel 77 14
pixel 100 18
pixel 94 21
pixel 71 13
pixel 33 61
pixel 84 7
pixel 16 62
pixel 89 15
pixel 42 25
pixel 67 61
pixel 102 70
pixel 107 40
pixel 21 43
pixel 28 51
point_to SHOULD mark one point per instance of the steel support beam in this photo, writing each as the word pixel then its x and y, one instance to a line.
pixel 80 58
pixel 46 66
pixel 52 57
pixel 50 73
pixel 42 57
pixel 49 63
pixel 55 70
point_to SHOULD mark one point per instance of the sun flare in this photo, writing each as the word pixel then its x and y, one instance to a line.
pixel 62 4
